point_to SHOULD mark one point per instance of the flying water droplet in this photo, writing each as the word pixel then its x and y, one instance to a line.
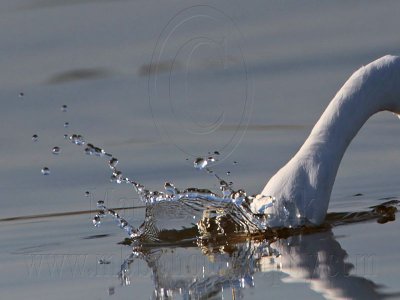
pixel 21 94
pixel 113 162
pixel 87 194
pixel 77 139
pixel 96 221
pixel 64 108
pixel 117 176
pixel 35 137
pixel 56 150
pixel 66 136
pixel 92 150
pixel 228 173
pixel 45 171
pixel 200 163
pixel 66 124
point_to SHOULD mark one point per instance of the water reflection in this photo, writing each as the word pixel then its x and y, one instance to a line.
pixel 204 269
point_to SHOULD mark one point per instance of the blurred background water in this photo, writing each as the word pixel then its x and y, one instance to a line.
pixel 157 83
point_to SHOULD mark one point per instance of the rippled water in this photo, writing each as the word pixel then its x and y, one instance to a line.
pixel 178 97
pixel 198 243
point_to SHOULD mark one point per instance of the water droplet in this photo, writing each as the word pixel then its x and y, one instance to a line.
pixel 117 177
pixel 113 162
pixel 64 108
pixel 210 158
pixel 216 153
pixel 235 162
pixel 66 136
pixel 21 94
pixel 92 150
pixel 87 194
pixel 56 150
pixel 35 137
pixel 66 124
pixel 45 171
pixel 228 173
pixel 96 220
pixel 123 223
pixel 200 163
pixel 77 139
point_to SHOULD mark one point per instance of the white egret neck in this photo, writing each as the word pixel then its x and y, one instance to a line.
pixel 301 189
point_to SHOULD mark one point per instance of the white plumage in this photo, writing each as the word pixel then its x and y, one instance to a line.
pixel 300 191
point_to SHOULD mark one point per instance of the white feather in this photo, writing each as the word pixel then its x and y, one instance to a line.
pixel 300 191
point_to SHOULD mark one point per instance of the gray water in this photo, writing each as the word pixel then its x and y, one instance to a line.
pixel 158 85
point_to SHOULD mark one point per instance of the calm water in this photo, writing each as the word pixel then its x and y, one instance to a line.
pixel 157 85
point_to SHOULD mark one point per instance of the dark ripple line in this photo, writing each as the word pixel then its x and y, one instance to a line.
pixel 61 214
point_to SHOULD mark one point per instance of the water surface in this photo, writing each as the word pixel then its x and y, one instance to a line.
pixel 246 79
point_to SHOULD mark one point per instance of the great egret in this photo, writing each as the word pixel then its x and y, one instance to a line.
pixel 299 192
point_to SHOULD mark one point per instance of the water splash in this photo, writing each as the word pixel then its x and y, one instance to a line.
pixel 206 212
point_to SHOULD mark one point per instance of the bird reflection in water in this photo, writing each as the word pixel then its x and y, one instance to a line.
pixel 205 268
